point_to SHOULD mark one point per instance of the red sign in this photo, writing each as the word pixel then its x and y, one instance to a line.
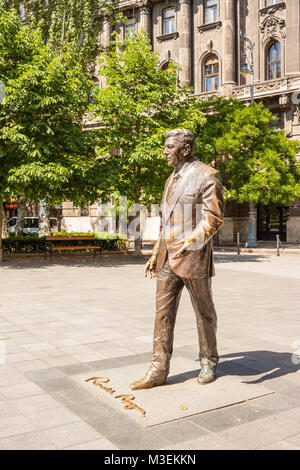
pixel 10 205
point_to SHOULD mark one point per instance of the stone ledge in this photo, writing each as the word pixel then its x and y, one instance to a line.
pixel 207 27
pixel 166 37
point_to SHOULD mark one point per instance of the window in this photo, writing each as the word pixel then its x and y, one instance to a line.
pixel 274 61
pixel 96 86
pixel 168 21
pixel 273 2
pixel 211 73
pixel 211 11
pixel 22 11
pixel 129 28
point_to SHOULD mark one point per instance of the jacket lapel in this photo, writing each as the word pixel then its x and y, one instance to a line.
pixel 178 191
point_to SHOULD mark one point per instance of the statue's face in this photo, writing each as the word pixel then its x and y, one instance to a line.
pixel 175 151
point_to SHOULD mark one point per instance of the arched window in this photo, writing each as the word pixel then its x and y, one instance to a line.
pixel 274 61
pixel 168 21
pixel 211 73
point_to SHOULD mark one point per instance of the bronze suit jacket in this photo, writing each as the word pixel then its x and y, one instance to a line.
pixel 193 204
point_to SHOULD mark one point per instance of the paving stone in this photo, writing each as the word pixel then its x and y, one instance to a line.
pixel 179 431
pixel 15 425
pixel 100 444
pixel 28 441
pixel 19 391
pixel 44 374
pixel 34 404
pixel 72 434
pixel 7 411
pixel 52 417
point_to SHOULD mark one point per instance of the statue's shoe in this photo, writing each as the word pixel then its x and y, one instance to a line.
pixel 149 381
pixel 207 375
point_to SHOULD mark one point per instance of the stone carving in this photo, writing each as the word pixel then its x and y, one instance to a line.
pixel 144 5
pixel 271 27
pixel 288 85
pixel 270 10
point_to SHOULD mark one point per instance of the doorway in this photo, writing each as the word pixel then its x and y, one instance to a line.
pixel 272 221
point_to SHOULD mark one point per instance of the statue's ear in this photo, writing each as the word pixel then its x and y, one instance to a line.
pixel 187 149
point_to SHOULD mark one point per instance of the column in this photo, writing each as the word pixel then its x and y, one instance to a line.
pixel 106 34
pixel 229 42
pixel 145 7
pixel 185 41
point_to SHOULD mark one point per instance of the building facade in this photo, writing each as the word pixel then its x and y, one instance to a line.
pixel 205 38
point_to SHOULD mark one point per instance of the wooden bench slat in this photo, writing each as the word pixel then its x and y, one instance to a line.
pixel 56 248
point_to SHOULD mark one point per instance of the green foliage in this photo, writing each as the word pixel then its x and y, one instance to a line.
pixel 73 22
pixel 44 153
pixel 98 235
pixel 257 161
pixel 140 103
pixel 24 244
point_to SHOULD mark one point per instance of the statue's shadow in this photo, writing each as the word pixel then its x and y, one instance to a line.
pixel 249 364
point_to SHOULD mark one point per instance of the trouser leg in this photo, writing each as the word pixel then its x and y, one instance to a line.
pixel 201 297
pixel 168 292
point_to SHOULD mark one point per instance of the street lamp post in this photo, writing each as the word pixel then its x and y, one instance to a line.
pixel 249 45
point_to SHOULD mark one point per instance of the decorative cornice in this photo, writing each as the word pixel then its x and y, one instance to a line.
pixel 166 37
pixel 144 5
pixel 272 26
pixel 208 26
pixel 271 9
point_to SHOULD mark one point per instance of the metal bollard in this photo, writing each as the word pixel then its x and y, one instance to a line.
pixel 238 244
pixel 278 244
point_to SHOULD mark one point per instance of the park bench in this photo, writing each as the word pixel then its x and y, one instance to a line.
pixel 72 243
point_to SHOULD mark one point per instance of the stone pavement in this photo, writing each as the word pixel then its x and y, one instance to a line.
pixel 79 317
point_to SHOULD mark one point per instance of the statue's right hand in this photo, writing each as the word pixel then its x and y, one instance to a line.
pixel 150 268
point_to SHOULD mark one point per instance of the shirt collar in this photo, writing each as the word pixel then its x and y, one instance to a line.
pixel 180 173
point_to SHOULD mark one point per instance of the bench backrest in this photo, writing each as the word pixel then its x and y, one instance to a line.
pixel 69 238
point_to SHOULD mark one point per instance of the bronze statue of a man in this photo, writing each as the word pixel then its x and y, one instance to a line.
pixel 183 256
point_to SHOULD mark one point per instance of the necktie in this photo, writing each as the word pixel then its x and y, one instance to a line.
pixel 172 185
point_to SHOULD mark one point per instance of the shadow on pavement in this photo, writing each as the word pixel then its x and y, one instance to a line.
pixel 243 258
pixel 271 364
pixel 249 363
pixel 72 261
pixel 109 260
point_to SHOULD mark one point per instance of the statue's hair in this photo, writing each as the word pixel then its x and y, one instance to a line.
pixel 185 136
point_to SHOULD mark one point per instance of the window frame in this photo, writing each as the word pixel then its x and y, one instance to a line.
pixel 130 21
pixel 164 33
pixel 212 75
pixel 207 8
pixel 274 62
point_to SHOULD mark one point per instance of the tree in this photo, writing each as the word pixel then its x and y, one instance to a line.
pixel 140 103
pixel 44 151
pixel 75 22
pixel 256 160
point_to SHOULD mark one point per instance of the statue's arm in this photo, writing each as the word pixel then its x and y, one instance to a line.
pixel 212 209
pixel 212 216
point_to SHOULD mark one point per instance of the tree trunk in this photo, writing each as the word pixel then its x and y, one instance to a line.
pixel 21 214
pixel 1 223
pixel 44 222
pixel 138 240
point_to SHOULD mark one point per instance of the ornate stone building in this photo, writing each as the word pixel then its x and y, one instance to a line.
pixel 204 37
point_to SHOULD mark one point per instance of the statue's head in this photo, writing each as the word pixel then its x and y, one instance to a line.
pixel 179 146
